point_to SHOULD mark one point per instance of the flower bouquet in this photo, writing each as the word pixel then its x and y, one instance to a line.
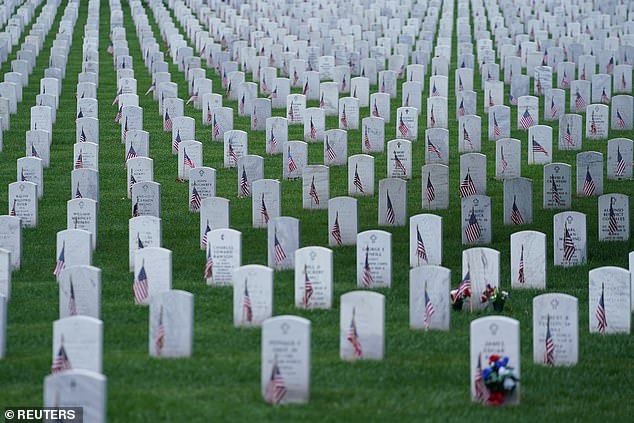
pixel 494 296
pixel 500 379
pixel 458 296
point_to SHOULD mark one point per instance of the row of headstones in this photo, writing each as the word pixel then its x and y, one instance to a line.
pixel 285 376
pixel 22 66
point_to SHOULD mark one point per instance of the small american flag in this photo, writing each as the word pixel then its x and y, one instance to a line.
pixel 195 199
pixel 193 98
pixel 344 84
pixel 481 392
pixel 23 178
pixel 313 129
pixel 399 164
pixel 140 286
pixel 228 90
pixel 80 114
pixel 273 93
pixel 116 98
pixel 216 128
pixel 555 192
pixel 434 91
pixel 344 118
pixel 357 180
pixel 278 252
pixel 496 128
pixel 209 115
pixel 308 289
pixel 613 226
pixel 82 138
pixel 538 148
pixel 247 309
pixel 382 87
pixel 472 230
pixel 245 191
pixel 79 161
pixel 273 141
pixel 553 108
pixel 306 88
pixel 431 148
pixel 77 192
pixel 34 152
pixel 61 361
pixel 276 387
pixel 580 103
pixel 131 183
pixel 290 162
pixel 139 243
pixel 526 121
pixel 491 103
pixel 159 337
pixel 313 192
pixel 432 118
pixel 131 153
pixel 117 117
pixel 72 304
pixel 177 140
pixel 569 246
pixel 390 216
pixel 604 97
pixel 464 289
pixel 375 109
pixel 291 113
pixel 465 137
pixel 460 86
pixel 467 186
pixel 565 81
pixel 407 100
pixel 431 191
pixel 264 86
pixel 110 48
pixel 549 347
pixel 461 109
pixel 254 119
pixel 167 123
pixel 152 88
pixel 187 161
pixel 620 162
pixel 539 86
pixel 209 265
pixel 366 139
pixel 429 310
pixel 582 76
pixel 263 212
pixel 623 81
pixel 545 58
pixel 295 77
pixel 367 278
pixel 13 211
pixel 620 122
pixel 135 209
pixel 224 78
pixel 588 183
pixel 330 152
pixel 421 252
pixel 503 161
pixel 322 103
pixel 568 136
pixel 353 337
pixel 602 320
pixel 242 101
pixel 402 128
pixel 336 230
pixel 521 279
pixel 125 129
pixel 512 98
pixel 205 234
pixel 516 216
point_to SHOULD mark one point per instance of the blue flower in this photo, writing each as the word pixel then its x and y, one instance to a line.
pixel 503 362
pixel 486 373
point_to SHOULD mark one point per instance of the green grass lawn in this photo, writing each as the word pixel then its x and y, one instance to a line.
pixel 423 375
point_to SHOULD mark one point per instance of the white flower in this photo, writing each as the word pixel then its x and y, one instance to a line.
pixel 503 371
pixel 509 383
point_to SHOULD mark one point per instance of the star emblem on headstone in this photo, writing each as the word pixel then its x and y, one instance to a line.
pixel 313 255
pixel 554 304
pixel 285 327
pixel 556 169
pixel 201 172
pixel 373 238
pixel 493 328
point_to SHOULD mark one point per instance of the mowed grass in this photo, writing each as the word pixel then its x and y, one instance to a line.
pixel 423 375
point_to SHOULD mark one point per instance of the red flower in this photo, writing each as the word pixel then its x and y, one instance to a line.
pixel 493 358
pixel 496 398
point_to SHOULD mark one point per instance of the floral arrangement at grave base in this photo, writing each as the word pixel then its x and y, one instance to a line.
pixel 495 297
pixel 458 296
pixel 500 379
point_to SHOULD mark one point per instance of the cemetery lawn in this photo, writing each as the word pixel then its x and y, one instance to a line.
pixel 423 375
